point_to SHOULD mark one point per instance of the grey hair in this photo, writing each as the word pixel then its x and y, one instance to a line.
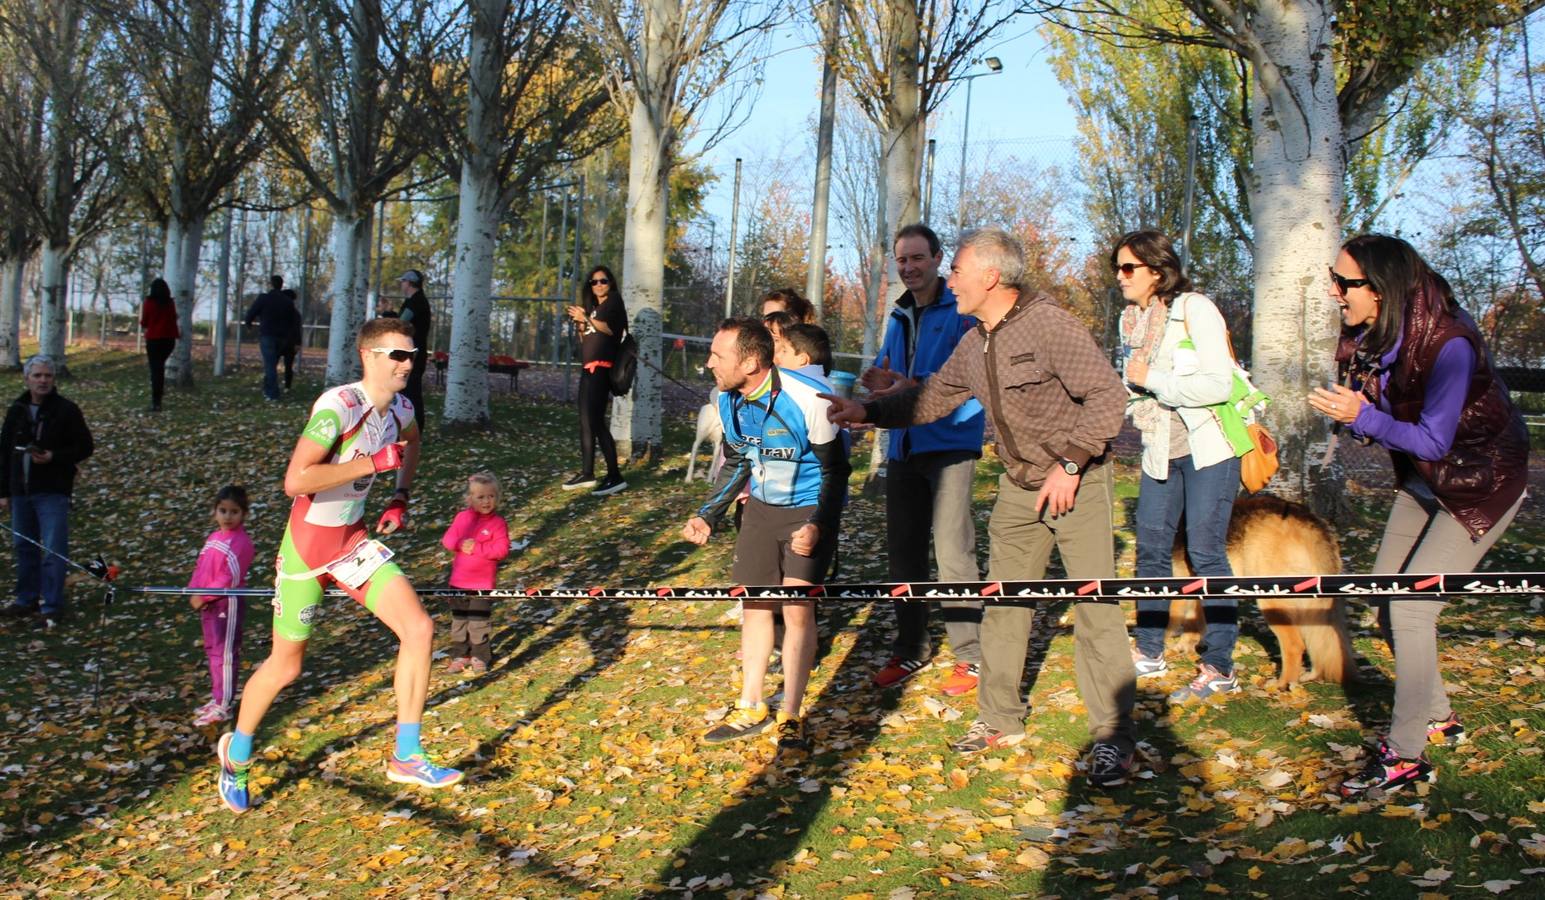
pixel 42 359
pixel 999 250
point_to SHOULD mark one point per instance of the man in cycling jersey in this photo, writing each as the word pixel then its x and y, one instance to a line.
pixel 355 432
pixel 776 437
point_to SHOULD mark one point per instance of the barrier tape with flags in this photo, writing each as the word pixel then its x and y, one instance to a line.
pixel 1102 589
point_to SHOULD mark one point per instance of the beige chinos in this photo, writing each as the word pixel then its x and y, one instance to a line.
pixel 1021 545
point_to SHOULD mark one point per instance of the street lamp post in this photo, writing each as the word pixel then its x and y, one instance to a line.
pixel 994 66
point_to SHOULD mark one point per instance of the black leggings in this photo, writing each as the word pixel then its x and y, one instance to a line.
pixel 415 394
pixel 159 350
pixel 595 394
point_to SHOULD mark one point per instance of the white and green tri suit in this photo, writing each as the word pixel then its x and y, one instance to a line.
pixel 328 525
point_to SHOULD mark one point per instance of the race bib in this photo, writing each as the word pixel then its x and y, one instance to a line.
pixel 355 568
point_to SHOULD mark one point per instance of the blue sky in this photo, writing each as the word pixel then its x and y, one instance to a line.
pixel 1023 102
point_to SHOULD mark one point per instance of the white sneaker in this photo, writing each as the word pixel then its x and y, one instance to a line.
pixel 1148 666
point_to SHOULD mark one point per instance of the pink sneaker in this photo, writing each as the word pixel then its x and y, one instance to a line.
pixel 210 715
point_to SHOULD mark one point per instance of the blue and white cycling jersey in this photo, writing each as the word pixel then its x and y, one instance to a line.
pixel 779 438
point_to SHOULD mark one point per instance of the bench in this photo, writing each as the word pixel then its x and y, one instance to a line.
pixel 497 365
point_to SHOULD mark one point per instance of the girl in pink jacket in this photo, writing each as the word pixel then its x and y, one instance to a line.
pixel 478 538
pixel 223 564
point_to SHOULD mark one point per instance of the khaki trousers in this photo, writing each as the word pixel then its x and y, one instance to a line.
pixel 1021 545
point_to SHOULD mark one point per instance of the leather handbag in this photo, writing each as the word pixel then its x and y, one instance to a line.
pixel 1258 465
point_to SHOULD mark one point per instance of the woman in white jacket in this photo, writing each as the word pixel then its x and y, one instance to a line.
pixel 1177 363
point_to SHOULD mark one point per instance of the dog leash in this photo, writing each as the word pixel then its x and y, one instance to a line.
pixel 690 390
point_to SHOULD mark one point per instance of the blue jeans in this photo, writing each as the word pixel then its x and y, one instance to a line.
pixel 1205 499
pixel 270 347
pixel 46 519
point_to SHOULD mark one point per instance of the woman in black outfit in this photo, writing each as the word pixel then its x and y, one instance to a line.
pixel 602 322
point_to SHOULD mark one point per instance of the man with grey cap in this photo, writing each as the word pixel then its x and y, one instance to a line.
pixel 415 311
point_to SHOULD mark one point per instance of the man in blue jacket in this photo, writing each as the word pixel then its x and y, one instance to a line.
pixel 929 468
pixel 779 441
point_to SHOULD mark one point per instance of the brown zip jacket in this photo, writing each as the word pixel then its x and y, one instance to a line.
pixel 1049 390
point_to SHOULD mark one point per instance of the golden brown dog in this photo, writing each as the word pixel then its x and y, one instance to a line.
pixel 1271 536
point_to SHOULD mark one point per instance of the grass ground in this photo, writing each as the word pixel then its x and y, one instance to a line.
pixel 586 776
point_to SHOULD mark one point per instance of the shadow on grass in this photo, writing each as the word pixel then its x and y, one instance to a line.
pixel 604 627
pixel 123 715
pixel 354 646
pixel 1128 838
pixel 778 808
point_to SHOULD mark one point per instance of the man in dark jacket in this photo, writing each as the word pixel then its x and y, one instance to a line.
pixel 416 312
pixel 44 437
pixel 276 316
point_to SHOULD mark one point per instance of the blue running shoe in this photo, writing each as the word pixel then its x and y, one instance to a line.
pixel 233 778
pixel 420 770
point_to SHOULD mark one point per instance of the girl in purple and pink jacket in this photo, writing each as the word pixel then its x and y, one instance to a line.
pixel 223 564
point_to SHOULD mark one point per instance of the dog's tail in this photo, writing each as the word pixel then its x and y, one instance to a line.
pixel 1330 646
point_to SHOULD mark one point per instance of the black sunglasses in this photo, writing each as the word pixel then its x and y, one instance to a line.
pixel 1346 284
pixel 1128 269
pixel 596 281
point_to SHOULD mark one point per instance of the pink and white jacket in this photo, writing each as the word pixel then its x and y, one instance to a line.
pixel 223 562
pixel 491 536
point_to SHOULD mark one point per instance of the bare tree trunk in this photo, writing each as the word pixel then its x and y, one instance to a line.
pixel 466 380
pixel 636 419
pixel 351 261
pixel 10 312
pixel 54 313
pixel 1295 200
pixel 222 298
pixel 877 268
pixel 902 202
pixel 880 262
pixel 466 383
pixel 902 136
pixel 184 242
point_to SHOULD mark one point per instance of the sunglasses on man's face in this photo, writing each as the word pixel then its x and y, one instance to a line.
pixel 397 354
pixel 1130 269
pixel 1346 284
pixel 596 281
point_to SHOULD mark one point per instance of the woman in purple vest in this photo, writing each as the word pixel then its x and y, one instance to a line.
pixel 1416 378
